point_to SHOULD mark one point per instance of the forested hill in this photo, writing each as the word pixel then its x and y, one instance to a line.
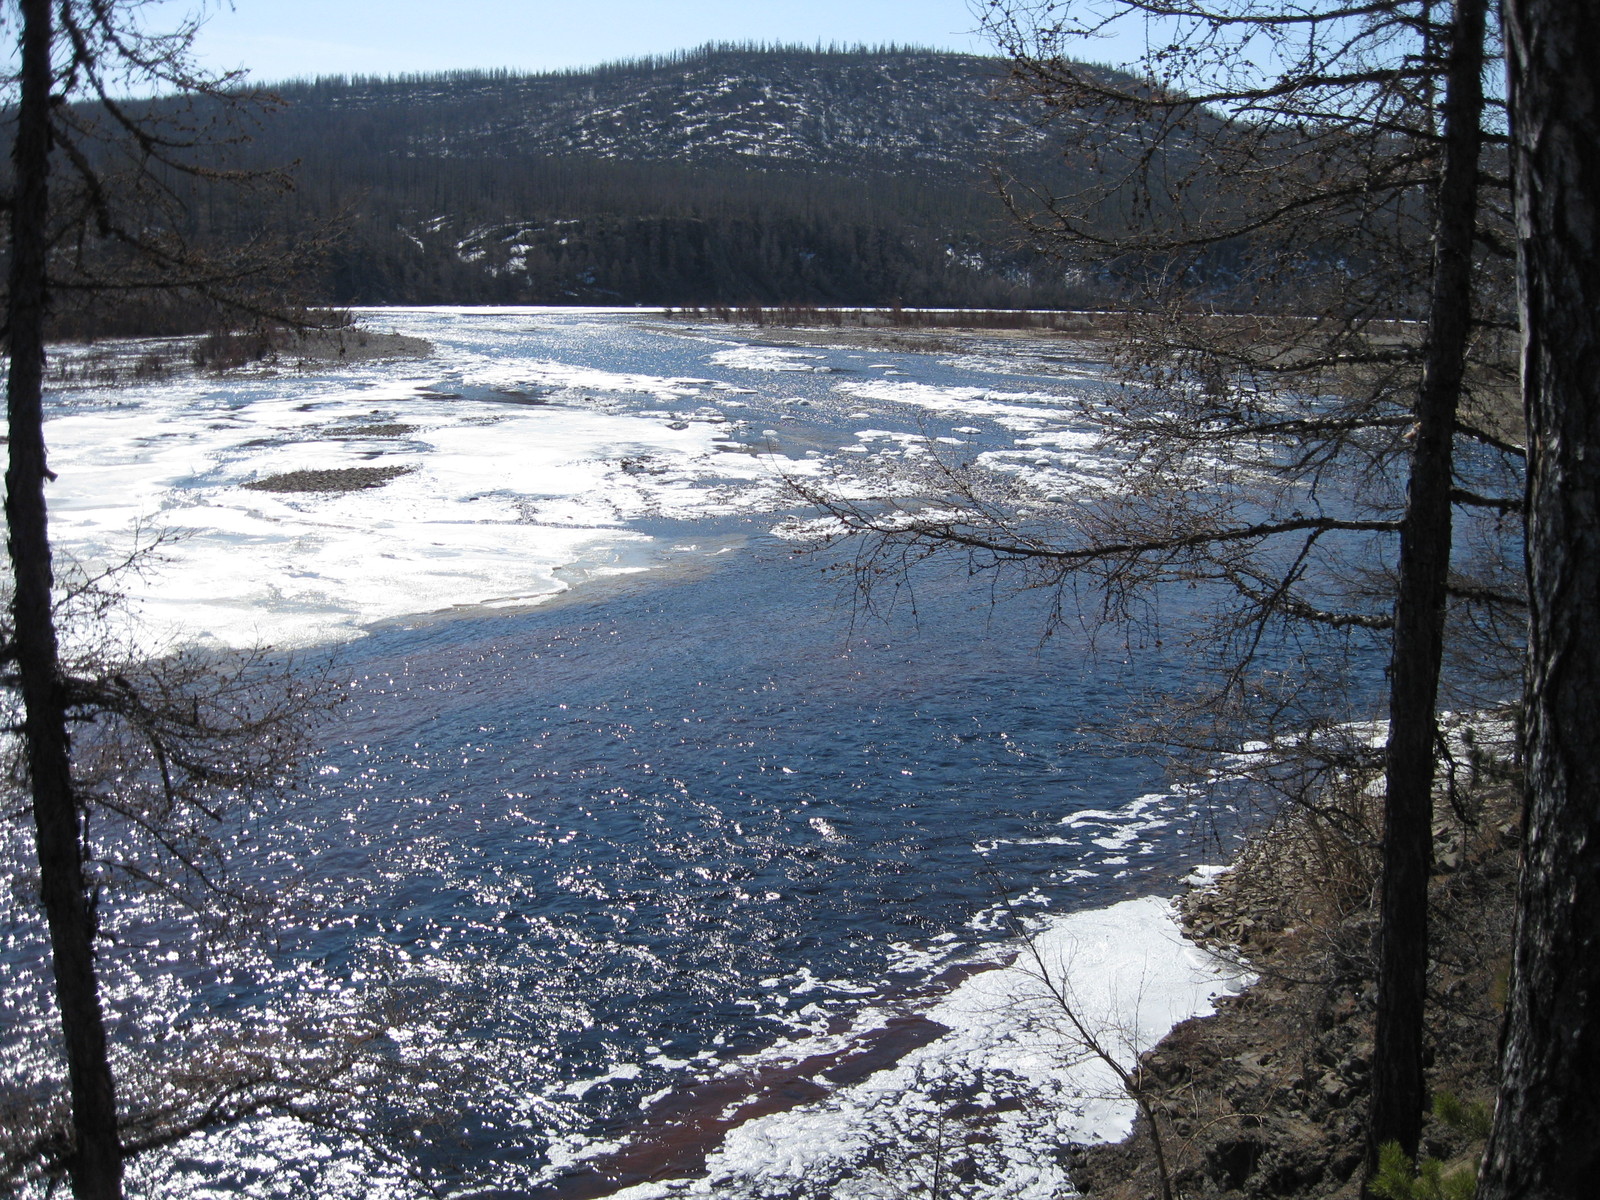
pixel 723 175
pixel 915 111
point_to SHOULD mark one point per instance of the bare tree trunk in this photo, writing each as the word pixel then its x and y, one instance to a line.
pixel 1544 1142
pixel 1425 536
pixel 96 1166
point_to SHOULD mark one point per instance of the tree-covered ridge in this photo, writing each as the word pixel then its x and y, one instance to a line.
pixel 820 109
pixel 732 174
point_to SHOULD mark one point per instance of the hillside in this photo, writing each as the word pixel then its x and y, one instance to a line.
pixel 724 175
pixel 888 111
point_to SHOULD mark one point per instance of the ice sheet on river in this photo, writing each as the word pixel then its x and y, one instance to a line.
pixel 531 443
pixel 489 496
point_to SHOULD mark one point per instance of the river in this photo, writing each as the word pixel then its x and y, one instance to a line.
pixel 687 861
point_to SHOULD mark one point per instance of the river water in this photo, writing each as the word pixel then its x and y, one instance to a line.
pixel 684 860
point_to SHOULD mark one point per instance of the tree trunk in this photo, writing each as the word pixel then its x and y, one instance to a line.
pixel 96 1165
pixel 1544 1142
pixel 1402 946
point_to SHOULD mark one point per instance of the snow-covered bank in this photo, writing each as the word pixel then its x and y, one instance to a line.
pixel 1006 1087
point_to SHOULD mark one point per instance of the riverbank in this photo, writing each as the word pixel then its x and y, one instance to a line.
pixel 122 362
pixel 1268 1097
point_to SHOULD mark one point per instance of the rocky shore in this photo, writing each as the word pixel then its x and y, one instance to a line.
pixel 1268 1097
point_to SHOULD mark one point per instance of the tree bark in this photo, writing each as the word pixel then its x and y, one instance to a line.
pixel 96 1164
pixel 1544 1141
pixel 1398 1090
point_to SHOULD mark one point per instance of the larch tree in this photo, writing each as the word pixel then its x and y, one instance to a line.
pixel 1298 212
pixel 1376 121
pixel 1399 1094
pixel 1543 1142
pixel 127 759
pixel 96 1166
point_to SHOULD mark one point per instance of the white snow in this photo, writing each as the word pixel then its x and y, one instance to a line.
pixel 769 358
pixel 523 462
pixel 1127 975
pixel 499 494
pixel 1025 411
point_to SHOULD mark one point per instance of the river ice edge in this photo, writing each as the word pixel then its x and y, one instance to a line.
pixel 1026 1078
pixel 499 497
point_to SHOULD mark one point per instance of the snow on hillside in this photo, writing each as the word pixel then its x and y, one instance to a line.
pixel 929 109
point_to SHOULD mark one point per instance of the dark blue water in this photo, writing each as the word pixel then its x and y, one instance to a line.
pixel 591 852
pixel 632 823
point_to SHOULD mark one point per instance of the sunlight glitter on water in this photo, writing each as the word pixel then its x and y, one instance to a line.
pixel 671 833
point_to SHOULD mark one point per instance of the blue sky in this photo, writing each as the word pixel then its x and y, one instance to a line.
pixel 281 39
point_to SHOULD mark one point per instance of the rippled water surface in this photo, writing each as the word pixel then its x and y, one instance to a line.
pixel 699 806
